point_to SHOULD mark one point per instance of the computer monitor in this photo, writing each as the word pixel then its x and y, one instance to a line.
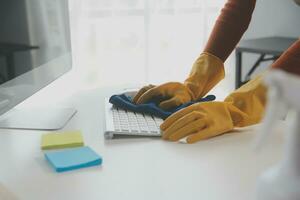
pixel 35 49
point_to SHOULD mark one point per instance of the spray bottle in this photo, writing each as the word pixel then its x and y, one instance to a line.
pixel 282 182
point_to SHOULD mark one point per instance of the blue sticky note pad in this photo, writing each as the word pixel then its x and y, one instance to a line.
pixel 71 159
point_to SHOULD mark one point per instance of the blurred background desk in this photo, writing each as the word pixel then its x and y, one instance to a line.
pixel 268 48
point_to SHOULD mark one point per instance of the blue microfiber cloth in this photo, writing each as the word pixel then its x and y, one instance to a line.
pixel 125 102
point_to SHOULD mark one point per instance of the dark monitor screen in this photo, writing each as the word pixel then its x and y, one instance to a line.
pixel 35 47
pixel 32 32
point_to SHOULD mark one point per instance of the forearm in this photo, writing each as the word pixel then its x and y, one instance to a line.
pixel 208 69
pixel 289 61
pixel 230 26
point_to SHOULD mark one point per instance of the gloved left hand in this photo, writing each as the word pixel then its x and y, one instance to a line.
pixel 243 107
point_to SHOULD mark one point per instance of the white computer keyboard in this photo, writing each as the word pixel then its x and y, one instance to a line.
pixel 123 122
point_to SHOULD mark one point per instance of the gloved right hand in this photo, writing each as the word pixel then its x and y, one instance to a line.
pixel 207 71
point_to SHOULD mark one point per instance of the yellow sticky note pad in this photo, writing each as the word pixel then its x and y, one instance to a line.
pixel 60 140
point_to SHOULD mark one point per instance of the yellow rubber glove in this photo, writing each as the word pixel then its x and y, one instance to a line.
pixel 200 121
pixel 207 71
pixel 142 91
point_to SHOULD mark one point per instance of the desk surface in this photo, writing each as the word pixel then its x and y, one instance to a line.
pixel 221 168
pixel 269 45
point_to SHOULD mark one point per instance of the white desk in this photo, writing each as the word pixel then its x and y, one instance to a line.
pixel 221 168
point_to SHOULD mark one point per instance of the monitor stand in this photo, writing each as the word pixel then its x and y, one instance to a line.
pixel 46 118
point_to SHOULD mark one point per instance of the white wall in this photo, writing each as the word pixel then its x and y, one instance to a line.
pixel 272 18
pixel 275 17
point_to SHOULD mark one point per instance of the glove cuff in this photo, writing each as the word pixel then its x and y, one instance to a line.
pixel 247 104
pixel 207 71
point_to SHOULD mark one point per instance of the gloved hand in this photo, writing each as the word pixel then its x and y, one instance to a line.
pixel 200 121
pixel 169 95
pixel 207 71
pixel 142 91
